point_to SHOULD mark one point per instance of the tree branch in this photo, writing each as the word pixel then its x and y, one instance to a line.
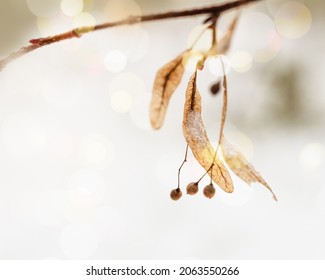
pixel 78 32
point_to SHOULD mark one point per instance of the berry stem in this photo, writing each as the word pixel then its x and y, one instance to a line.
pixel 211 176
pixel 180 168
pixel 205 173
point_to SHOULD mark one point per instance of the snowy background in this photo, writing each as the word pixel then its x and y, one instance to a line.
pixel 82 175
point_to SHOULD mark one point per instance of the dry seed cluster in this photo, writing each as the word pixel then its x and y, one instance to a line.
pixel 166 82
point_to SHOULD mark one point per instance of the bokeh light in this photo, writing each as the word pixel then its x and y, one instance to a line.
pixel 312 155
pixel 49 26
pixel 63 94
pixel 273 6
pixel 293 20
pixel 121 9
pixel 191 59
pixel 253 32
pixel 86 189
pixel 140 113
pixel 121 101
pixel 83 23
pixel 263 43
pixel 45 26
pixel 268 53
pixel 43 8
pixel 204 42
pixel 257 36
pixel 241 61
pixel 140 45
pixel 60 143
pixel 96 151
pixel 127 82
pixel 115 61
pixel 132 40
pixel 71 7
pixel 215 65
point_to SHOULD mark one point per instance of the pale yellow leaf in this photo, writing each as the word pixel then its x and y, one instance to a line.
pixel 240 166
pixel 166 81
pixel 197 138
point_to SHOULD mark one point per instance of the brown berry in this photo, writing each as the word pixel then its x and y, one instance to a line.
pixel 176 194
pixel 192 188
pixel 215 88
pixel 209 191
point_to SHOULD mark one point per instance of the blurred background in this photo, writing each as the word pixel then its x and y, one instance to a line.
pixel 83 176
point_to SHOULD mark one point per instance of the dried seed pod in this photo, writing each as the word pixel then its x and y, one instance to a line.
pixel 176 194
pixel 215 88
pixel 166 81
pixel 192 188
pixel 197 139
pixel 209 191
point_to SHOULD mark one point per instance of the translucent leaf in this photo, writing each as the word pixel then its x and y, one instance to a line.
pixel 234 159
pixel 240 166
pixel 225 42
pixel 197 138
pixel 166 82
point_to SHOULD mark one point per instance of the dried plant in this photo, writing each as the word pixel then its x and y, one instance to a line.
pixel 240 166
pixel 224 44
pixel 197 138
pixel 166 82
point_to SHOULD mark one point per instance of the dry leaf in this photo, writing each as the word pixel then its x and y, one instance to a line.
pixel 225 101
pixel 224 43
pixel 240 166
pixel 197 139
pixel 166 82
pixel 235 160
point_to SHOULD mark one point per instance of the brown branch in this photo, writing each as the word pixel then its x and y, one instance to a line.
pixel 78 32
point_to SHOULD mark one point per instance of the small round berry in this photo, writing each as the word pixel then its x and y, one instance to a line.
pixel 192 188
pixel 209 191
pixel 176 194
pixel 215 88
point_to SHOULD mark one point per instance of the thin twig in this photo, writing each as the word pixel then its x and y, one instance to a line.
pixel 210 168
pixel 180 168
pixel 78 32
